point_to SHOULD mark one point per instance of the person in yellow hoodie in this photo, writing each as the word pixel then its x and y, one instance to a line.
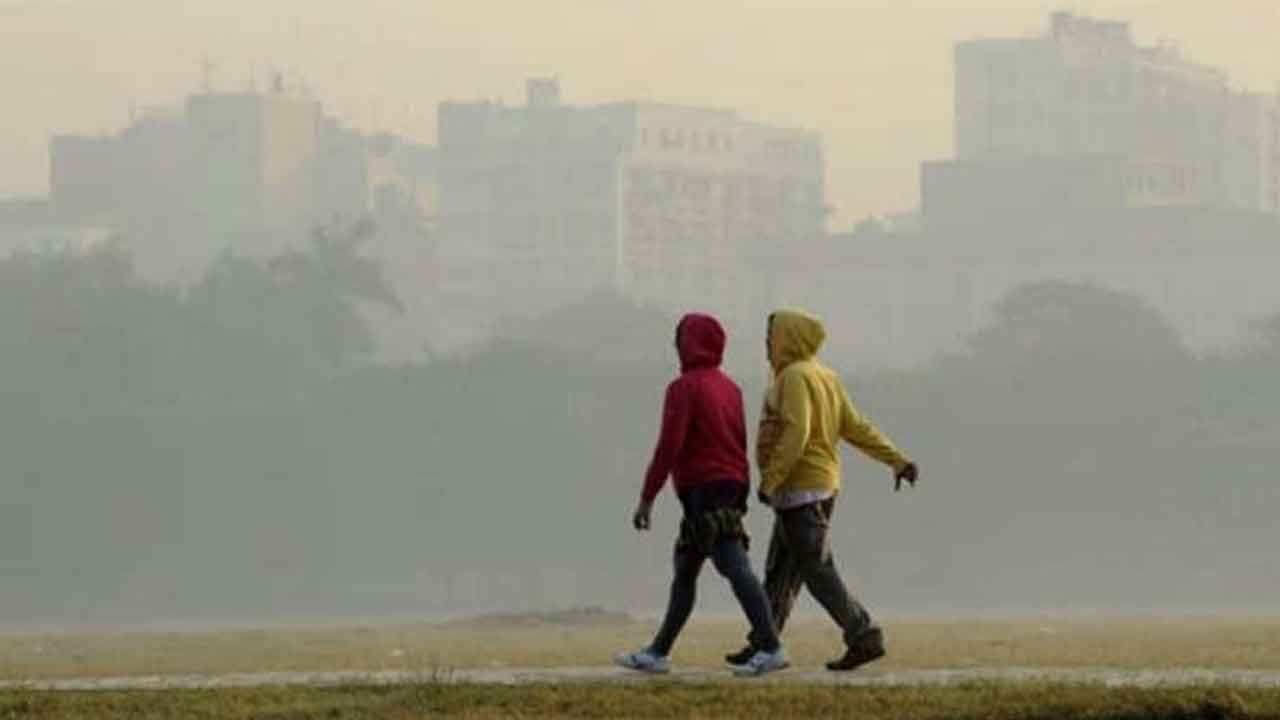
pixel 807 412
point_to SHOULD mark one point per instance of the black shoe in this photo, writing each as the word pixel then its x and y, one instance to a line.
pixel 855 658
pixel 741 657
pixel 868 648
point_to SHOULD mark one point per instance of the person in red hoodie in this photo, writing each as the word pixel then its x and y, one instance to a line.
pixel 703 448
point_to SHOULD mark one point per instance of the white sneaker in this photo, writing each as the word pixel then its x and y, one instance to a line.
pixel 644 661
pixel 763 662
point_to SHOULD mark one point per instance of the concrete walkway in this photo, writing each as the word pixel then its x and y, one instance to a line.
pixel 587 675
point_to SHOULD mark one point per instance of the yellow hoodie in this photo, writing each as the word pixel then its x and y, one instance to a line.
pixel 807 412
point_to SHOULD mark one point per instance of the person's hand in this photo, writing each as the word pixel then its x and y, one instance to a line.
pixel 641 520
pixel 909 472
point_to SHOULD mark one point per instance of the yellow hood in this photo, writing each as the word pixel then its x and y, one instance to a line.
pixel 794 336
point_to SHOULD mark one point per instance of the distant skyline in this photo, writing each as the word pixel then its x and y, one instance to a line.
pixel 874 79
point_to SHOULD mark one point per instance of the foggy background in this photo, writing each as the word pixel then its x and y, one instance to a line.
pixel 873 77
pixel 298 319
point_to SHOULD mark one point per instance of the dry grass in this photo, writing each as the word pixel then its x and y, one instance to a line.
pixel 1207 641
pixel 726 700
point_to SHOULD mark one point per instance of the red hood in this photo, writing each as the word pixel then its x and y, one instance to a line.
pixel 700 340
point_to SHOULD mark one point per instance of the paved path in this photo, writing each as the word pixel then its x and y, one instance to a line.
pixel 579 675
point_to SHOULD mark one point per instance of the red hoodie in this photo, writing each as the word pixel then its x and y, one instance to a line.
pixel 704 433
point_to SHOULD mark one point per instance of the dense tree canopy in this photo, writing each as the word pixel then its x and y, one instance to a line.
pixel 229 448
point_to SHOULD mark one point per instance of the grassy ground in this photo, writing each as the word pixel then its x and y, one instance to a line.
pixel 1251 643
pixel 734 700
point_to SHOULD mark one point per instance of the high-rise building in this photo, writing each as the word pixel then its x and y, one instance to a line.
pixel 1083 118
pixel 670 205
pixel 1250 152
pixel 1266 142
pixel 254 153
pixel 236 161
pixel 248 172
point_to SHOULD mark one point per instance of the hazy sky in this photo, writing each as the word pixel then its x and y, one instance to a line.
pixel 873 76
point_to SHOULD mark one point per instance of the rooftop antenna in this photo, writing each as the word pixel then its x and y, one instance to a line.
pixel 206 72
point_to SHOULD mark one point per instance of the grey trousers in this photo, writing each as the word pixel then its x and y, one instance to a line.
pixel 730 559
pixel 800 555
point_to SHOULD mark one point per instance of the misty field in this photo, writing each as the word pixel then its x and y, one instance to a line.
pixel 427 651
pixel 1059 641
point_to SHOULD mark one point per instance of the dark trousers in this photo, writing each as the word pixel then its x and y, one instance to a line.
pixel 729 556
pixel 800 555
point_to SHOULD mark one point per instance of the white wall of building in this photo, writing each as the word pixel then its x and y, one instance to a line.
pixel 668 205
pixel 1084 88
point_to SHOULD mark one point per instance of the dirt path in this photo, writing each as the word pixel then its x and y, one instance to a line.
pixel 802 676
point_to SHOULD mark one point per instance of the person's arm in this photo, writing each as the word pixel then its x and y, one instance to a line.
pixel 793 434
pixel 676 413
pixel 859 432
